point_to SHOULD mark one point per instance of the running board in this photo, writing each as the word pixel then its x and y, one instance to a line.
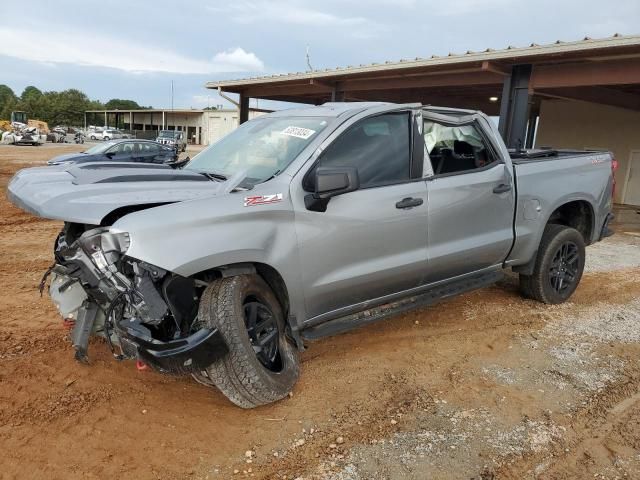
pixel 431 296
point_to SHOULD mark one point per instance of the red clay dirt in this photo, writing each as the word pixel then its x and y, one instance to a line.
pixel 456 390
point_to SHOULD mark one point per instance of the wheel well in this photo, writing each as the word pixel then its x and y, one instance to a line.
pixel 577 214
pixel 276 283
pixel 267 272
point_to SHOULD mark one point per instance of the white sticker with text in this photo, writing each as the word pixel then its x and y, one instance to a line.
pixel 298 132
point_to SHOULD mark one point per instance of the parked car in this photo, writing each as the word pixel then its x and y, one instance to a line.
pixel 111 135
pixel 94 134
pixel 305 223
pixel 173 138
pixel 143 151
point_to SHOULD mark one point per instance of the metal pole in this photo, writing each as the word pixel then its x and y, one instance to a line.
pixel 244 109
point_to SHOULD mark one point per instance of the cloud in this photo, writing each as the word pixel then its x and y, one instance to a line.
pixel 466 7
pixel 292 13
pixel 237 58
pixel 55 47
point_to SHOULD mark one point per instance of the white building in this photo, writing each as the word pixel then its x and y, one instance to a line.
pixel 203 127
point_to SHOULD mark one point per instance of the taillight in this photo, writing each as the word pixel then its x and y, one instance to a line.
pixel 614 167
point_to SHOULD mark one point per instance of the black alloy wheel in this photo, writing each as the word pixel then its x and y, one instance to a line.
pixel 263 331
pixel 563 270
pixel 558 265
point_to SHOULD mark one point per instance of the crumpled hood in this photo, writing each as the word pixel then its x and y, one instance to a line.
pixel 86 193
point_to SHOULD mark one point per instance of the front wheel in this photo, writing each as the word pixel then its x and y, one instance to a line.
pixel 558 268
pixel 262 365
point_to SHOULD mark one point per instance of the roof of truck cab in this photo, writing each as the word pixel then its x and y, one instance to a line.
pixel 329 109
pixel 336 109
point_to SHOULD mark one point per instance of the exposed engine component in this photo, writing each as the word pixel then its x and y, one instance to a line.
pixel 152 308
pixel 143 311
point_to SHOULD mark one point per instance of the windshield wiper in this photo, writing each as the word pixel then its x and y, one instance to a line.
pixel 272 176
pixel 214 176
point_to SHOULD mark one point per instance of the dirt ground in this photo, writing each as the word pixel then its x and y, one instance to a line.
pixel 483 386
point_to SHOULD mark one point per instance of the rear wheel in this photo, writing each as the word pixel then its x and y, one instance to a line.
pixel 262 365
pixel 558 268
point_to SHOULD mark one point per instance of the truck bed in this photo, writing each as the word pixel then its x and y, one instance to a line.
pixel 540 154
pixel 544 185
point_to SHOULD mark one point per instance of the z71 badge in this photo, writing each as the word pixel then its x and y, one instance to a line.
pixel 262 199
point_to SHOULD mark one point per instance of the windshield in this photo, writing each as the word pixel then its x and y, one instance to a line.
pixel 260 148
pixel 100 148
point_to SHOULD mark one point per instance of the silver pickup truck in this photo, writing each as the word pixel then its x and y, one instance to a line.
pixel 305 223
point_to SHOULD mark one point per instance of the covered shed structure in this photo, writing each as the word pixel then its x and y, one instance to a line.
pixel 582 94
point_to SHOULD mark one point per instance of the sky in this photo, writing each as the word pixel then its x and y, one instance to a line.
pixel 135 49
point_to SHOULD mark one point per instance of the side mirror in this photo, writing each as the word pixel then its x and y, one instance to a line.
pixel 110 154
pixel 330 182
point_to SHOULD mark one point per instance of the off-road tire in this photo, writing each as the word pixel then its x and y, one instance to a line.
pixel 537 286
pixel 239 375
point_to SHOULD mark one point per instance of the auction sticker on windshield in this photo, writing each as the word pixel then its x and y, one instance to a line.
pixel 298 132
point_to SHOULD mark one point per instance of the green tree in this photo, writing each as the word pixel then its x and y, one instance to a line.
pixel 56 108
pixel 122 104
pixel 8 102
pixel 34 102
pixel 66 107
pixel 31 93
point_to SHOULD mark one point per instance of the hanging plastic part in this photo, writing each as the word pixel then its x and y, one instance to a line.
pixel 141 366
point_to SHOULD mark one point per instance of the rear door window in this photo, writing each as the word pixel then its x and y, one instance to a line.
pixel 456 149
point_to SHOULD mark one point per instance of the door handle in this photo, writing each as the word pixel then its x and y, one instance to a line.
pixel 409 202
pixel 502 188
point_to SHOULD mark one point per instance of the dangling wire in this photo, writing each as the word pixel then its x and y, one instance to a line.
pixel 107 324
pixel 43 281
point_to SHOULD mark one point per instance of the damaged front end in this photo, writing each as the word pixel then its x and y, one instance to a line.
pixel 143 312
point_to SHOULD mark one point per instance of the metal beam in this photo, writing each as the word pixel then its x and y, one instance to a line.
pixel 600 95
pixel 492 67
pixel 586 74
pixel 514 107
pixel 426 81
pixel 244 108
pixel 391 83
